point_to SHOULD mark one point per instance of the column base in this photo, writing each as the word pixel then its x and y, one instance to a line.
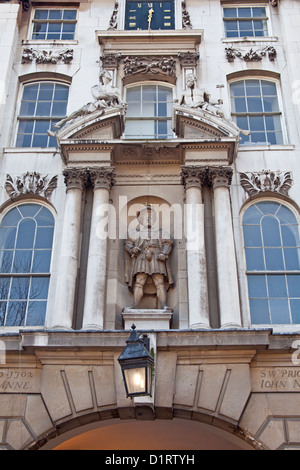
pixel 147 319
pixel 200 326
pixel 91 327
pixel 232 326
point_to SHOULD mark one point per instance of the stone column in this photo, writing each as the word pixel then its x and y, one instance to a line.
pixel 95 290
pixel 75 180
pixel 230 316
pixel 193 179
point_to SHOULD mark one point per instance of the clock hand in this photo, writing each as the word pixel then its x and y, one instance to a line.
pixel 151 11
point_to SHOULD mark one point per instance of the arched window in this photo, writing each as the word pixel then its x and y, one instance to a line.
pixel 149 112
pixel 43 104
pixel 255 107
pixel 272 249
pixel 26 235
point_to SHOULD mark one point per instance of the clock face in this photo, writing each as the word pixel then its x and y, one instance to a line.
pixel 149 15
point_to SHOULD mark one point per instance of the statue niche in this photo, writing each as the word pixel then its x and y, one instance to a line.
pixel 147 252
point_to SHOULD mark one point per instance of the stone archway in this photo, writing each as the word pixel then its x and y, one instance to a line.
pixel 175 434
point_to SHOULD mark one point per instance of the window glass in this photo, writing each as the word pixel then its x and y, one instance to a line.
pixel 149 112
pixel 42 105
pixel 245 21
pixel 54 24
pixel 272 250
pixel 26 236
pixel 255 108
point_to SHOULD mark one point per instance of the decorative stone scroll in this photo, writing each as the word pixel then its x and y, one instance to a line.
pixel 47 57
pixel 149 65
pixel 30 183
pixel 110 60
pixel 266 180
pixel 251 55
pixel 76 178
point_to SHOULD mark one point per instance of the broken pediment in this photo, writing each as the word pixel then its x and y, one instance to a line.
pixel 196 123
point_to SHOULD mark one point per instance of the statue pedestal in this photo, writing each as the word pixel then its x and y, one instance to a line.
pixel 147 319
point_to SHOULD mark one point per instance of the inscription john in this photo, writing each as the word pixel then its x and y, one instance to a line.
pixel 19 380
pixel 276 379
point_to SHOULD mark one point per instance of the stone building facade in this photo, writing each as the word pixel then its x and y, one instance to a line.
pixel 191 109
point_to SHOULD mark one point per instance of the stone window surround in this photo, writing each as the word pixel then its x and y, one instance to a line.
pixel 295 209
pixel 67 6
pixel 268 76
pixel 266 4
pixel 31 79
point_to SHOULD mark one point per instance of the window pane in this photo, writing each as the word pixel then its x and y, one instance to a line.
pixel 39 288
pixel 295 309
pixel 252 236
pixel 41 14
pixel 286 216
pixel 7 237
pixel 20 288
pixel 11 219
pixel 254 259
pixel 294 285
pixel 26 234
pixel 41 261
pixel 277 286
pixel 4 287
pixel 3 306
pixel 259 310
pixel 44 237
pixel 55 14
pixel 257 286
pixel 279 311
pixel 44 218
pixel 271 231
pixel 291 256
pixel 16 313
pixel 22 261
pixel 36 313
pixel 70 15
pixel 252 215
pixel 290 235
pixel 274 259
pixel 6 258
pixel 230 12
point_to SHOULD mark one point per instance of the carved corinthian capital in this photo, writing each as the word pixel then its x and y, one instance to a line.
pixel 102 177
pixel 192 176
pixel 76 178
pixel 220 176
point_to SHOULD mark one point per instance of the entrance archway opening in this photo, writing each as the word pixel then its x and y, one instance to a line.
pixel 176 434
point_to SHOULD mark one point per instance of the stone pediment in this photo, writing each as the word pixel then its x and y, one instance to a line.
pixel 99 125
pixel 196 123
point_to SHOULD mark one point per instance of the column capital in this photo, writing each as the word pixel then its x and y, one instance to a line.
pixel 220 176
pixel 193 176
pixel 103 177
pixel 75 178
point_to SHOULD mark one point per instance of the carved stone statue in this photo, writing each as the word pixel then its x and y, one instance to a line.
pixel 194 97
pixel 149 254
pixel 106 96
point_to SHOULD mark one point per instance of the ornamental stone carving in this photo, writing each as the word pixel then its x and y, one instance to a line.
pixel 266 180
pixel 220 176
pixel 113 24
pixel 149 65
pixel 80 178
pixel 102 177
pixel 30 183
pixel 186 20
pixel 47 57
pixel 194 97
pixel 193 176
pixel 76 178
pixel 188 59
pixel 106 96
pixel 251 55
